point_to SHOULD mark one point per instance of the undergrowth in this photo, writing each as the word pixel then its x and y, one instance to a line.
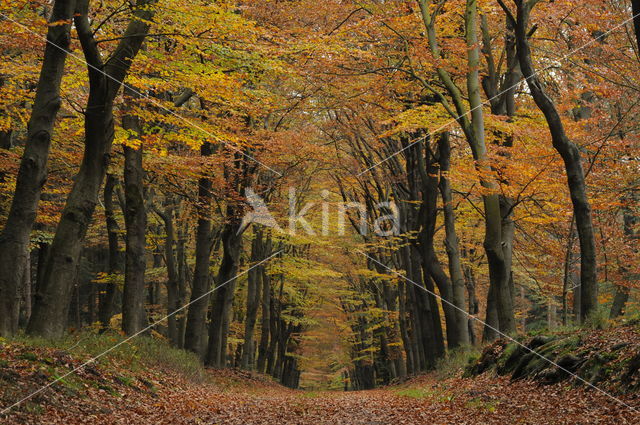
pixel 138 354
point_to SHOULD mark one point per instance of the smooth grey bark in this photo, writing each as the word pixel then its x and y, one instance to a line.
pixel 105 79
pixel 572 161
pixel 32 174
pixel 197 314
pixel 134 317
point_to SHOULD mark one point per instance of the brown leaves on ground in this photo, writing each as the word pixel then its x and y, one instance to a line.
pixel 106 395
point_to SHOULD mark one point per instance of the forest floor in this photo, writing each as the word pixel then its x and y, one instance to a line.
pixel 129 388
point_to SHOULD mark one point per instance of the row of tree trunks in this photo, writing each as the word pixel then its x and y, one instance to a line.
pixel 260 248
pixel 105 79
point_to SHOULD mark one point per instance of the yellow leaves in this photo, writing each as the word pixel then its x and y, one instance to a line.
pixel 424 117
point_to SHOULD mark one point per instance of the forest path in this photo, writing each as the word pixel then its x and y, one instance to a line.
pixel 481 400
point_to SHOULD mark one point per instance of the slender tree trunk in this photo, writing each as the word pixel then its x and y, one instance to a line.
pixel 499 274
pixel 197 315
pixel 451 242
pixel 25 294
pixel 429 171
pixel 173 300
pixel 134 317
pixel 183 290
pixel 573 165
pixel 223 297
pixel 264 321
pixel 253 301
pixel 107 301
pixel 14 239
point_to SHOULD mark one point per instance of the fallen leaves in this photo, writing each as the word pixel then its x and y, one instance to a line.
pixel 104 394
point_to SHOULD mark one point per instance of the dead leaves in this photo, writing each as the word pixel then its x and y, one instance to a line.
pixel 116 395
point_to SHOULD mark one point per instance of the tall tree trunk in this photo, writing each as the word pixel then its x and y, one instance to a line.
pixel 14 240
pixel 107 301
pixel 223 297
pixel 264 321
pixel 573 165
pixel 173 301
pixel 25 294
pixel 183 290
pixel 253 300
pixel 197 315
pixel 134 317
pixel 498 272
pixel 52 301
pixel 451 242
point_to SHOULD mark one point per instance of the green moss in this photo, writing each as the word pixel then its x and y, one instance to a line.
pixel 413 393
pixel 478 403
pixel 126 380
pixel 28 356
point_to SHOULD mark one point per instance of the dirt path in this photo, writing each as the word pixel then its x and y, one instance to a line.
pixel 483 400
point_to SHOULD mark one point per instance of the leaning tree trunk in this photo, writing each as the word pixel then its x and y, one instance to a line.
pixel 573 165
pixel 197 315
pixel 135 217
pixel 105 79
pixel 14 240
